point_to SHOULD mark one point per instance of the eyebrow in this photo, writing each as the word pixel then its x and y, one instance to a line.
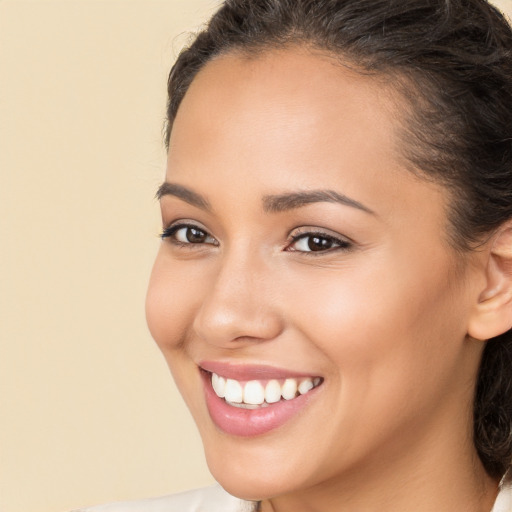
pixel 183 193
pixel 271 203
pixel 290 201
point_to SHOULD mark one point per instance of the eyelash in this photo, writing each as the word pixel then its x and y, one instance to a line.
pixel 171 231
pixel 336 244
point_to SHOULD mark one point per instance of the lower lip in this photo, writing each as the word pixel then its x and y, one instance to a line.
pixel 251 422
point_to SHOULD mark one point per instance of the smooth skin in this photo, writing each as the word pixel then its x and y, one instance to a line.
pixel 382 308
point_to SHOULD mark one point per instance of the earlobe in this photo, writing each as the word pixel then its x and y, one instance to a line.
pixel 492 314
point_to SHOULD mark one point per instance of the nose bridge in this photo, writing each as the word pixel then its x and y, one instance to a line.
pixel 238 306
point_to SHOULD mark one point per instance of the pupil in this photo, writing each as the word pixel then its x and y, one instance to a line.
pixel 317 243
pixel 195 236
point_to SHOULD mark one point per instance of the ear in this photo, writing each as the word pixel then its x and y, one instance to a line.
pixel 492 314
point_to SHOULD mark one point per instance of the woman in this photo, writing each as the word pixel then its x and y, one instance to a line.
pixel 333 293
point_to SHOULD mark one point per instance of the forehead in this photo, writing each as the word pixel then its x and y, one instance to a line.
pixel 292 98
pixel 293 119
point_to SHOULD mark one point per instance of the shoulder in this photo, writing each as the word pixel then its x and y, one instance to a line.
pixel 208 499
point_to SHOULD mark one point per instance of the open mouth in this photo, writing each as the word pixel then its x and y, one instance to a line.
pixel 245 400
pixel 254 394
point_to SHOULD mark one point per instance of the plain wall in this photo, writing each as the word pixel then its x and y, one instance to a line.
pixel 88 412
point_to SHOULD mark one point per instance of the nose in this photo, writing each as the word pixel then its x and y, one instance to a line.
pixel 239 306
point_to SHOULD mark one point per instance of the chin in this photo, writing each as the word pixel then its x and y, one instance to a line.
pixel 254 474
pixel 250 486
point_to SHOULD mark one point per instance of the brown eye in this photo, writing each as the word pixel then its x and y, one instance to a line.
pixel 318 242
pixel 186 235
pixel 192 235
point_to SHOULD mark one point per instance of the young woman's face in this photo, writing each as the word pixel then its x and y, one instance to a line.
pixel 299 251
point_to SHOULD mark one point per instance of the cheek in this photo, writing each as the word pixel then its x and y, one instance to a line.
pixel 404 323
pixel 170 302
pixel 393 344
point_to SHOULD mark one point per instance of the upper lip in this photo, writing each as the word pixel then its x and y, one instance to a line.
pixel 245 372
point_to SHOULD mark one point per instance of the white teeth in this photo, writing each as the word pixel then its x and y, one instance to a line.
pixel 305 386
pixel 233 391
pixel 219 385
pixel 272 392
pixel 254 393
pixel 289 389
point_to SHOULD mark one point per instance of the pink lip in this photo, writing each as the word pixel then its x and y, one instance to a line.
pixel 245 372
pixel 251 422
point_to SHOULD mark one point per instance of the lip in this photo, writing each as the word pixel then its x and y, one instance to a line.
pixel 251 422
pixel 246 372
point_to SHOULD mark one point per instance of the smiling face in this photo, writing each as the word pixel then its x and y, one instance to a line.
pixel 298 249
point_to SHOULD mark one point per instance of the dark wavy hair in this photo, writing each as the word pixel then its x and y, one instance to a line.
pixel 451 60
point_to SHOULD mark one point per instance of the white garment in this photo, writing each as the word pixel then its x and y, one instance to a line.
pixel 209 499
pixel 216 499
pixel 504 500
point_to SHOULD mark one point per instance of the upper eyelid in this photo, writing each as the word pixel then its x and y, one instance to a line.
pixel 185 223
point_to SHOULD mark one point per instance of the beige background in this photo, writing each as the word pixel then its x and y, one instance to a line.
pixel 88 412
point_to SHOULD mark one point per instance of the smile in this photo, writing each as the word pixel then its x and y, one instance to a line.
pixel 261 393
pixel 254 400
